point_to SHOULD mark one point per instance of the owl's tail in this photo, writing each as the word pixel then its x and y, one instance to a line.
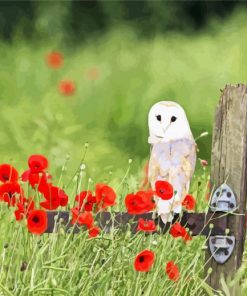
pixel 166 217
pixel 168 208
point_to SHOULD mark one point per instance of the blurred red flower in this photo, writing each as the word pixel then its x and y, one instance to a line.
pixel 144 261
pixel 37 163
pixel 177 230
pixel 85 200
pixel 146 225
pixel 37 221
pixel 189 202
pixel 8 173
pixel 203 162
pixel 24 207
pixel 9 192
pixel 187 237
pixel 54 59
pixel 172 271
pixel 164 189
pixel 93 73
pixel 105 196
pixel 67 87
pixel 82 218
pixel 139 203
pixel 94 231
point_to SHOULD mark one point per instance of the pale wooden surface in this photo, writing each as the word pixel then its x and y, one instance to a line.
pixel 229 164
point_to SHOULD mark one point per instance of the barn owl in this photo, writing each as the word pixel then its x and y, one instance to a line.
pixel 173 154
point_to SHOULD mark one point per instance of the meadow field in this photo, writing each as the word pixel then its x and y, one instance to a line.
pixel 102 125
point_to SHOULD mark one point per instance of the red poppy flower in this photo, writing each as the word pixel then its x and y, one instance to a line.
pixel 24 207
pixel 144 261
pixel 203 162
pixel 146 225
pixel 9 192
pixel 54 59
pixel 187 237
pixel 85 200
pixel 177 230
pixel 139 203
pixel 164 189
pixel 92 74
pixel 63 198
pixel 105 196
pixel 36 180
pixel 55 197
pixel 37 221
pixel 84 218
pixel 37 163
pixel 189 202
pixel 25 175
pixel 67 87
pixel 172 271
pixel 8 173
pixel 94 231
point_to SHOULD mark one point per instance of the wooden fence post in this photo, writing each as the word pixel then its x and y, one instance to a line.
pixel 229 165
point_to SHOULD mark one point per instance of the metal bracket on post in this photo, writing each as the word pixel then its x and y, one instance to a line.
pixel 221 247
pixel 223 200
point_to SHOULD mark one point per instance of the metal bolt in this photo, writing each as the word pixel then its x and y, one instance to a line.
pixel 229 241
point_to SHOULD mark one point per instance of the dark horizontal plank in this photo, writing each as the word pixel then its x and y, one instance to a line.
pixel 198 223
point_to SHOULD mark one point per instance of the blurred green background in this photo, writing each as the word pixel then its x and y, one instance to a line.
pixel 122 57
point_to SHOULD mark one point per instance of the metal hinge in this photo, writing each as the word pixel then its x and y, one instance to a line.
pixel 223 200
pixel 221 247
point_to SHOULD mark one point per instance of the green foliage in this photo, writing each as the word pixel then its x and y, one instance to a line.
pixel 111 112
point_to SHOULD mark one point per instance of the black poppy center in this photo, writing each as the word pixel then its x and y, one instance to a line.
pixel 141 259
pixel 162 191
pixel 5 177
pixel 35 219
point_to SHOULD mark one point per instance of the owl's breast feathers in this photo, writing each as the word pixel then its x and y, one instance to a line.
pixel 173 161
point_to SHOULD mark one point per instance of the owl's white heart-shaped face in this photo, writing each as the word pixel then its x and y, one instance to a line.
pixel 167 121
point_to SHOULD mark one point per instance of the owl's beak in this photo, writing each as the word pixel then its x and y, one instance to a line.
pixel 166 128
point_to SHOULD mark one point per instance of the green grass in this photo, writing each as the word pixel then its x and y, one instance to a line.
pixel 63 264
pixel 111 114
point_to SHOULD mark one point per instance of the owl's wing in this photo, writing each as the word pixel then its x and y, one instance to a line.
pixel 175 163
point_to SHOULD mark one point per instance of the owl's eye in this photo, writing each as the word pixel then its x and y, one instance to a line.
pixel 158 117
pixel 173 118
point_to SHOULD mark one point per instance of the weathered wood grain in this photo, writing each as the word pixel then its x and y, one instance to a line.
pixel 229 164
